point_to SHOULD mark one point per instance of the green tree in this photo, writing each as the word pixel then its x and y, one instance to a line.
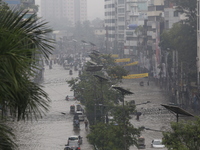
pixel 22 42
pixel 91 92
pixel 182 37
pixel 184 136
pixel 117 135
pixel 6 136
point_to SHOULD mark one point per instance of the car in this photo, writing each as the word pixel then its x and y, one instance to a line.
pixel 157 143
pixel 72 146
pixel 75 138
pixel 80 115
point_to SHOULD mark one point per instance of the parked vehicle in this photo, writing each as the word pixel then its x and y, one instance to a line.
pixel 80 115
pixel 141 143
pixel 157 143
pixel 72 109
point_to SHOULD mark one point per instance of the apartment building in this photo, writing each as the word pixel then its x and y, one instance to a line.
pixel 13 4
pixel 66 12
pixel 155 14
pixel 110 23
pixel 130 40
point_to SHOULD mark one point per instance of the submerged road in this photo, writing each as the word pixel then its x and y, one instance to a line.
pixel 51 132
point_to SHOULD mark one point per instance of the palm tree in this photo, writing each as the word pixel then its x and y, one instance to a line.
pixel 21 42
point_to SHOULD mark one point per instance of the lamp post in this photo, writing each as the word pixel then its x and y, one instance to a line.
pixel 123 92
pixel 101 80
pixel 93 69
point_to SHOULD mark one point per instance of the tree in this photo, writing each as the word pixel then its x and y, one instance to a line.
pixel 104 135
pixel 22 42
pixel 184 136
pixel 91 94
pixel 6 136
pixel 182 37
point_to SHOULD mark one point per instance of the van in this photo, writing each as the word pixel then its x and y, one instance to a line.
pixel 80 115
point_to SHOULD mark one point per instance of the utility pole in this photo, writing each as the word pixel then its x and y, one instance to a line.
pixel 106 39
pixel 177 78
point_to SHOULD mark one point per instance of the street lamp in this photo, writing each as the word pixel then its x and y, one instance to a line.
pixel 123 92
pixel 101 80
pixel 94 68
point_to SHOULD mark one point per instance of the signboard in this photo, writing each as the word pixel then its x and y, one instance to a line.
pixel 123 60
pixel 135 76
pixel 131 64
pixel 115 55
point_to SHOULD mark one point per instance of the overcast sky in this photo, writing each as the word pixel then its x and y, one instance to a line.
pixel 95 8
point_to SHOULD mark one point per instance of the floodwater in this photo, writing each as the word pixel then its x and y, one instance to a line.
pixel 51 132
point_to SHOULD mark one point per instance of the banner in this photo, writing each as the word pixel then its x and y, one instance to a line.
pixel 123 60
pixel 131 64
pixel 115 55
pixel 135 76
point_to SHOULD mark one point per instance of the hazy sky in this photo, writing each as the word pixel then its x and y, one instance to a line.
pixel 95 8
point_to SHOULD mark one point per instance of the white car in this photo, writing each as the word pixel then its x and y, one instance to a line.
pixel 72 146
pixel 80 115
pixel 157 143
pixel 74 138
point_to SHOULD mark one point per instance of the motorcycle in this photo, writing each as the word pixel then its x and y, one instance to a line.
pixel 70 72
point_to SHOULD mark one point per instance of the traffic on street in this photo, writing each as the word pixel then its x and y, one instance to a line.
pixel 66 116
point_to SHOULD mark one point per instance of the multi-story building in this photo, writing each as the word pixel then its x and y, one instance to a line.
pixel 155 14
pixel 13 3
pixel 110 23
pixel 130 40
pixel 64 12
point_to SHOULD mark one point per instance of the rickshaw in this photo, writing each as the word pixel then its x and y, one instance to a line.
pixel 141 143
pixel 72 109
pixel 76 124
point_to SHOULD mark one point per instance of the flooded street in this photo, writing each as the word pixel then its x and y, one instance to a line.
pixel 52 131
pixel 154 116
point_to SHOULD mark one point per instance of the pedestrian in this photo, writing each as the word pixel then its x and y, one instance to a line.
pixel 86 123
pixel 67 98
pixel 148 82
pixel 138 114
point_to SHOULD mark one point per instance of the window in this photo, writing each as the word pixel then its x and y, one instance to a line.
pixel 175 14
pixel 121 36
pixel 120 1
pixel 121 27
pixel 121 10
pixel 129 33
pixel 121 18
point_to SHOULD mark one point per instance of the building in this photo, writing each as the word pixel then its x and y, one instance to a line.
pixel 110 23
pixel 65 12
pixel 13 4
